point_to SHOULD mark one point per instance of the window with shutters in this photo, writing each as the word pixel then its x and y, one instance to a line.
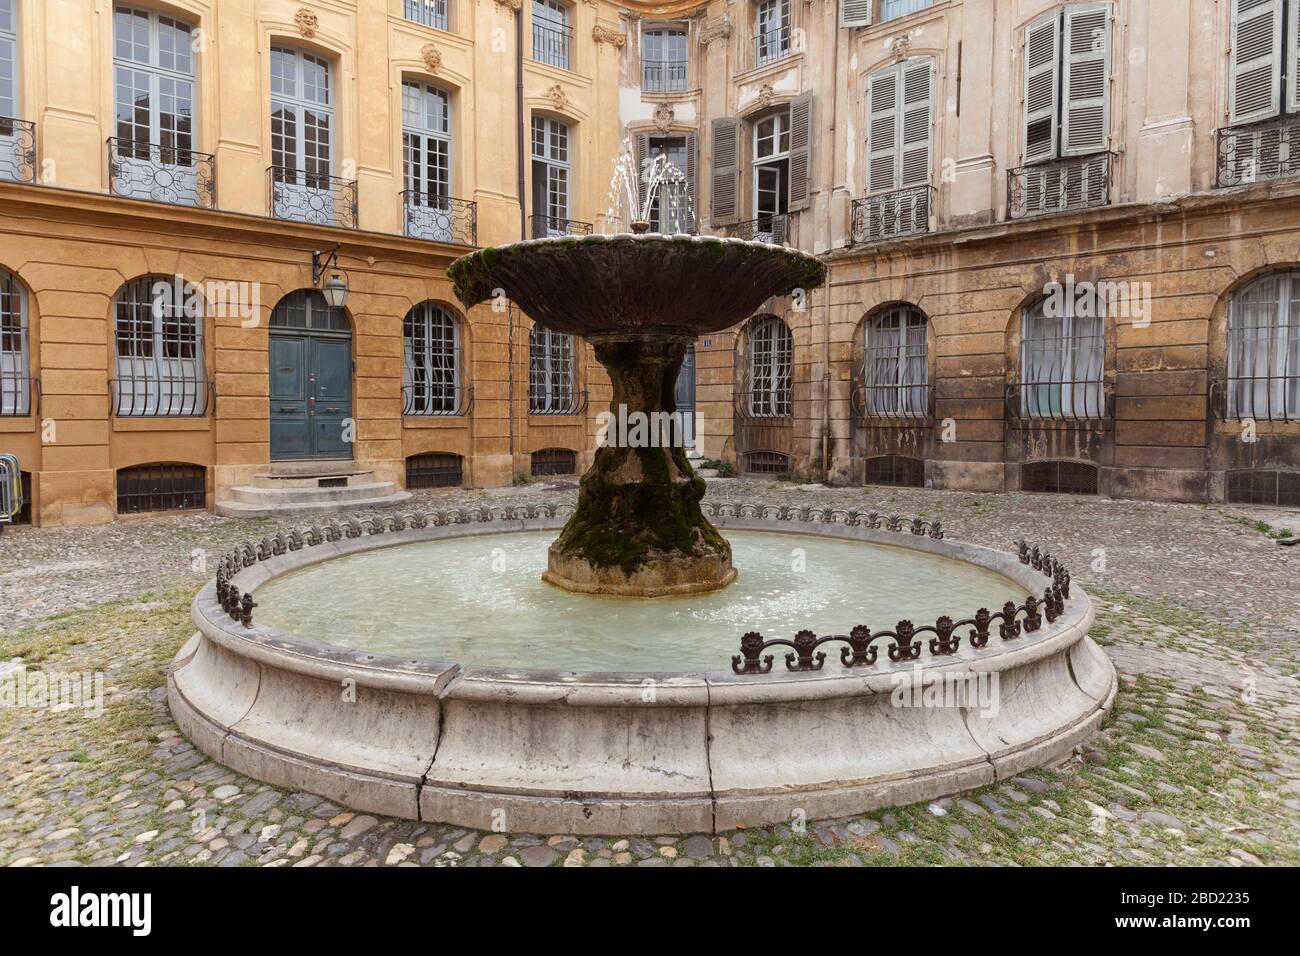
pixel 900 104
pixel 1262 138
pixel 771 168
pixel 664 59
pixel 780 165
pixel 1264 349
pixel 1062 360
pixel 672 160
pixel 1066 112
pixel 771 363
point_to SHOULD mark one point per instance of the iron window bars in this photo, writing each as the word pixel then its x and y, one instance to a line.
pixel 434 470
pixel 312 197
pixel 17 150
pixel 663 76
pixel 1059 476
pixel 433 363
pixel 158 340
pixel 440 218
pixel 553 461
pixel 552 40
pixel 1062 366
pixel 166 174
pixel 891 215
pixel 1256 487
pixel 1258 152
pixel 552 379
pixel 894 385
pixel 1081 182
pixel 895 471
pixel 161 487
pixel 17 387
pixel 1263 361
pixel 771 362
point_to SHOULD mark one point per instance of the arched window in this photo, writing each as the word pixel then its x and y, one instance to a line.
pixel 896 372
pixel 431 354
pixel 550 372
pixel 159 345
pixel 1264 349
pixel 771 359
pixel 15 368
pixel 153 149
pixel 1063 359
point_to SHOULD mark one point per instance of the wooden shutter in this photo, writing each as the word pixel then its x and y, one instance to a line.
pixel 915 124
pixel 882 130
pixel 691 190
pixel 1293 60
pixel 1254 82
pixel 1086 83
pixel 724 197
pixel 1042 54
pixel 800 151
pixel 640 152
pixel 855 13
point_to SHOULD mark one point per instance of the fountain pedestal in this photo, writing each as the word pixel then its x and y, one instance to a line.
pixel 638 529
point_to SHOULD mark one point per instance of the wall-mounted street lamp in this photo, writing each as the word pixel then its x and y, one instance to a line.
pixel 336 289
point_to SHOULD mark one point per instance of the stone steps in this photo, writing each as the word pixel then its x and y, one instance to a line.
pixel 304 488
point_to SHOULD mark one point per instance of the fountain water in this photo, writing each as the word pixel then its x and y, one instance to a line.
pixel 631 206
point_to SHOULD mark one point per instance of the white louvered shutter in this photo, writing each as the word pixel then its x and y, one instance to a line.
pixel 882 131
pixel 640 152
pixel 1293 59
pixel 916 122
pixel 1042 56
pixel 1254 79
pixel 855 13
pixel 691 189
pixel 1086 84
pixel 726 170
pixel 800 151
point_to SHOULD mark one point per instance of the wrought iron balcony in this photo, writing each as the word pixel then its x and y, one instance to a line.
pixel 902 212
pixel 1080 182
pixel 313 197
pixel 543 227
pixel 166 174
pixel 20 394
pixel 1258 398
pixel 440 218
pixel 552 43
pixel 770 46
pixel 160 389
pixel 1258 152
pixel 768 228
pixel 893 406
pixel 1062 403
pixel 431 13
pixel 17 150
pixel 663 76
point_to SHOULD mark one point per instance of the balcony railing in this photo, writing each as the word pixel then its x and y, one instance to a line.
pixel 544 227
pixel 892 406
pixel 1057 404
pixel 440 218
pixel 551 44
pixel 166 174
pixel 770 46
pixel 431 13
pixel 20 394
pixel 903 212
pixel 154 392
pixel 1077 183
pixel 766 228
pixel 313 197
pixel 17 150
pixel 1259 398
pixel 663 76
pixel 1258 152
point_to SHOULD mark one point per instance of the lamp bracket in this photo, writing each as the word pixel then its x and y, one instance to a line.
pixel 321 262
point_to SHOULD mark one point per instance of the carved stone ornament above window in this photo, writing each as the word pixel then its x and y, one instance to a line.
pixel 664 117
pixel 718 28
pixel 307 22
pixel 432 57
pixel 603 34
pixel 558 97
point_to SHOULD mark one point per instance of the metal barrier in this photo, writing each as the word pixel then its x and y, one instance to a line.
pixel 11 489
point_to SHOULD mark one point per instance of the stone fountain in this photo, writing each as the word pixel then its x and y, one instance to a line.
pixel 641 301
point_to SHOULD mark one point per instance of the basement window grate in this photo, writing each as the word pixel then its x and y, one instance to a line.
pixel 554 461
pixel 434 471
pixel 1264 488
pixel 766 463
pixel 161 487
pixel 1059 477
pixel 900 471
pixel 332 483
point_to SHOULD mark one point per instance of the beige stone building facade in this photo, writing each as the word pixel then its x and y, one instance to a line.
pixel 1064 238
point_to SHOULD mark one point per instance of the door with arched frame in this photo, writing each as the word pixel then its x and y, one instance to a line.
pixel 311 379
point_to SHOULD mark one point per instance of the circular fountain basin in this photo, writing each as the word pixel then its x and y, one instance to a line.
pixel 385 671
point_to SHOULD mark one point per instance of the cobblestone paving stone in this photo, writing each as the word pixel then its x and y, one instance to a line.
pixel 1198 763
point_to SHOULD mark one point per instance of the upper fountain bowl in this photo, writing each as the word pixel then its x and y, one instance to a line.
pixel 590 285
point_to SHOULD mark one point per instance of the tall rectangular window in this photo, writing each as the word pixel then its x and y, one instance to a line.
pixel 771 173
pixel 1264 349
pixel 8 60
pixel 552 34
pixel 15 372
pixel 1062 360
pixel 890 9
pixel 302 141
pixel 550 177
pixel 664 59
pixel 432 13
pixel 550 372
pixel 771 31
pixel 426 155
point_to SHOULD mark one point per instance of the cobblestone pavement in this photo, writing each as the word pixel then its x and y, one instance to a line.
pixel 1198 763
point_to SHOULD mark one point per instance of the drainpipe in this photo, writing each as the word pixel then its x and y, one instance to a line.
pixel 523 231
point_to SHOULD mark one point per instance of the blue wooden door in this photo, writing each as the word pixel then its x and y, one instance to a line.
pixel 310 396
